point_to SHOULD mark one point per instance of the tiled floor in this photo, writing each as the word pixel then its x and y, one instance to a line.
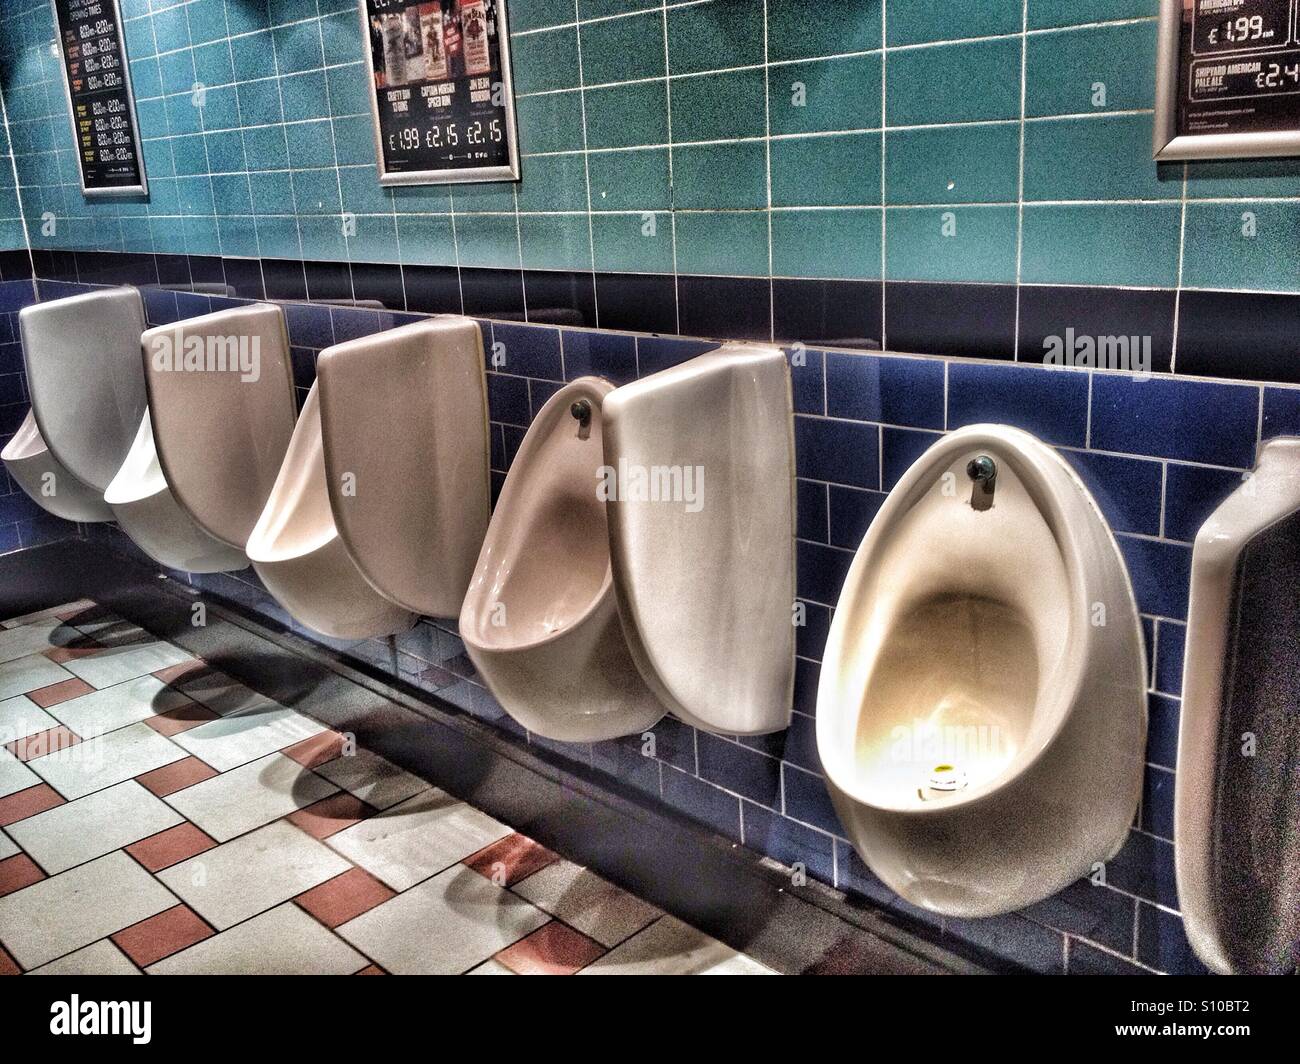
pixel 156 816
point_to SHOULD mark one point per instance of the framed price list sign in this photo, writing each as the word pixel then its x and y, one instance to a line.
pixel 98 85
pixel 1228 79
pixel 439 85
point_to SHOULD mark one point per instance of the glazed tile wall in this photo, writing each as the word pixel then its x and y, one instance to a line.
pixel 1159 455
pixel 758 139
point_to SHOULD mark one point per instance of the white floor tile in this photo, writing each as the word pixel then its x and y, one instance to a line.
pixel 21 675
pixel 116 664
pixel 375 781
pixel 244 737
pixel 117 706
pixel 253 872
pixel 34 638
pixel 423 835
pixel 250 796
pixel 8 848
pixel 99 958
pixel 78 907
pixel 584 901
pixel 220 693
pixel 14 775
pixel 20 717
pixel 491 967
pixel 284 941
pixel 448 924
pixel 47 614
pixel 670 947
pixel 105 760
pixel 90 827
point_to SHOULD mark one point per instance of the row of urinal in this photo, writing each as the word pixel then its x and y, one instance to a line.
pixel 583 614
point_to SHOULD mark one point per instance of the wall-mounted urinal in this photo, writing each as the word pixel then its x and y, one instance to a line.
pixel 382 501
pixel 640 556
pixel 981 713
pixel 221 400
pixel 41 475
pixel 148 512
pixel 1237 789
pixel 82 356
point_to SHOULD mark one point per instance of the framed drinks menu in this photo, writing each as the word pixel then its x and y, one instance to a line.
pixel 98 86
pixel 1228 79
pixel 440 90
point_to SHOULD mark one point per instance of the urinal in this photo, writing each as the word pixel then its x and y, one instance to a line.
pixel 981 713
pixel 640 556
pixel 296 550
pixel 382 501
pixel 47 481
pixel 221 401
pixel 148 512
pixel 1237 789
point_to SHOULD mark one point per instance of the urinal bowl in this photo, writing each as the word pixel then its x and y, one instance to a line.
pixel 540 620
pixel 47 481
pixel 297 552
pixel 148 512
pixel 981 713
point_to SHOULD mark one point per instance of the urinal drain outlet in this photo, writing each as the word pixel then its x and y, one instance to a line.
pixel 947 778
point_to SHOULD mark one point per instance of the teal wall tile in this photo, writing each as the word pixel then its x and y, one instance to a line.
pixel 720 176
pixel 1222 178
pixel 1101 244
pixel 1242 245
pixel 731 243
pixel 625 116
pixel 831 171
pixel 826 243
pixel 1066 70
pixel 552 122
pixel 716 35
pixel 488 240
pixel 804 29
pixel 1096 157
pixel 601 8
pixel 555 183
pixel 636 179
pixel 982 246
pixel 921 21
pixel 555 242
pixel 426 239
pixel 545 61
pixel 537 14
pixel 953 164
pixel 964 82
pixel 719 106
pixel 623 49
pixel 826 95
pixel 633 243
pixel 1045 13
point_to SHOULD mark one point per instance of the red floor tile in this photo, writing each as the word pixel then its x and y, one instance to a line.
pixel 45 742
pixel 553 949
pixel 175 777
pixel 76 609
pixel 9 966
pixel 317 750
pixel 511 859
pixel 176 672
pixel 169 847
pixel 17 872
pixel 322 819
pixel 371 969
pixel 60 692
pixel 343 897
pixel 29 802
pixel 182 718
pixel 162 935
pixel 82 649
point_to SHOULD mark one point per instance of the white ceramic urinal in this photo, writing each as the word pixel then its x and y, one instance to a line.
pixel 540 621
pixel 222 404
pixel 1237 790
pixel 705 582
pixel 296 549
pixel 148 512
pixel 45 479
pixel 981 714
pixel 381 504
pixel 640 556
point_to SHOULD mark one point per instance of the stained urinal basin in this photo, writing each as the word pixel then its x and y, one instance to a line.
pixel 540 619
pixel 297 552
pixel 1237 789
pixel 49 484
pixel 982 734
pixel 83 371
pixel 148 512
